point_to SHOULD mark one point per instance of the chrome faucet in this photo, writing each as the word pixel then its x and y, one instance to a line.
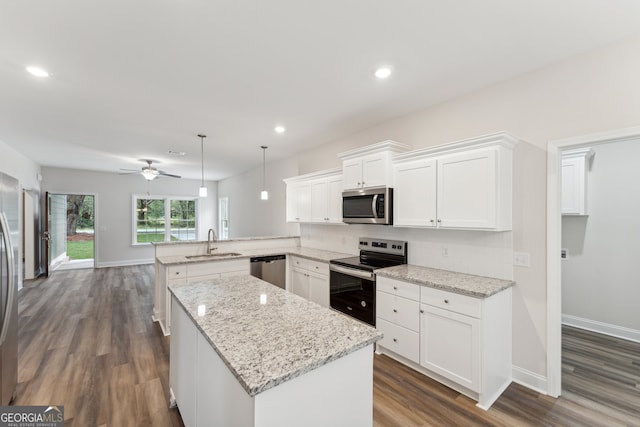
pixel 211 236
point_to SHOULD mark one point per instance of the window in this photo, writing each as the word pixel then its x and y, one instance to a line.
pixel 163 219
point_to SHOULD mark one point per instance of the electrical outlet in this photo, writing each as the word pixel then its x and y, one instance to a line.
pixel 564 253
pixel 445 252
pixel 521 259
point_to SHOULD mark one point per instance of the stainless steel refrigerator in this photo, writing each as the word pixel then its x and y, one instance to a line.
pixel 9 235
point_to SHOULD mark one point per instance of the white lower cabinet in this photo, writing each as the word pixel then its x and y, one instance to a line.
pixel 398 317
pixel 461 341
pixel 309 279
pixel 182 364
pixel 450 345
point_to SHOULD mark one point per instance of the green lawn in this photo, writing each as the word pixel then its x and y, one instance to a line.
pixel 80 250
pixel 152 237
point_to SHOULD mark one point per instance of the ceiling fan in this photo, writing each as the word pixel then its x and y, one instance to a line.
pixel 149 172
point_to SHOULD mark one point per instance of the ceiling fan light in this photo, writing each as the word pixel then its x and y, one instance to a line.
pixel 149 174
pixel 203 191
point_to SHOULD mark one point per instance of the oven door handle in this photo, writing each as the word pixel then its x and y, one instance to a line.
pixel 352 272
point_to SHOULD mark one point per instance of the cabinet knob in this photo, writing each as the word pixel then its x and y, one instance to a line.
pixel 439 220
pixel 446 301
pixel 395 288
pixel 432 221
pixel 395 311
pixel 395 340
pixel 422 311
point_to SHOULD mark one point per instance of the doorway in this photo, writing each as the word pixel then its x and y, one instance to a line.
pixel 70 231
pixel 554 242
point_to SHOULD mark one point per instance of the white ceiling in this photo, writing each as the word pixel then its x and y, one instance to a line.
pixel 135 79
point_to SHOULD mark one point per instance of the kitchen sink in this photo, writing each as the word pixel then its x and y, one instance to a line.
pixel 216 255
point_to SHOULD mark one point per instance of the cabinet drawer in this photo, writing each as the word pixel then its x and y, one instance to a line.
pixel 318 267
pixel 400 340
pixel 398 310
pixel 299 262
pixel 309 265
pixel 208 268
pixel 398 287
pixel 177 271
pixel 462 304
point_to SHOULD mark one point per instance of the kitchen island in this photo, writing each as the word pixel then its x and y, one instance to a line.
pixel 247 353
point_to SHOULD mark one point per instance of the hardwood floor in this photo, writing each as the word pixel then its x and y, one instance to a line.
pixel 601 387
pixel 87 342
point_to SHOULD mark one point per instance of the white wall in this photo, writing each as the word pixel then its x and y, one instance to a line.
pixel 600 277
pixel 248 215
pixel 26 172
pixel 20 167
pixel 590 93
pixel 113 214
pixel 472 252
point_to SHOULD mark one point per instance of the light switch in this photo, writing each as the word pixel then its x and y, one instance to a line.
pixel 521 259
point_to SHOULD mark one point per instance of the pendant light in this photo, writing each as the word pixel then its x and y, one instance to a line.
pixel 264 194
pixel 203 189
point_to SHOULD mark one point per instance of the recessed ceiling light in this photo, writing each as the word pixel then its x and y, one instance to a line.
pixel 37 71
pixel 279 129
pixel 382 73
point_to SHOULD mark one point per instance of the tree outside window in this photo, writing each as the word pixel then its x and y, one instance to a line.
pixel 163 219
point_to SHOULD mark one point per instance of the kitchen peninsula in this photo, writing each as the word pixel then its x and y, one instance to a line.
pixel 197 261
pixel 247 353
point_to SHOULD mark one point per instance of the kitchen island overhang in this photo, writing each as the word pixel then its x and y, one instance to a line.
pixel 250 353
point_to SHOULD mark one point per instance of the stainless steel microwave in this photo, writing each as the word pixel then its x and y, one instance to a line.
pixel 370 206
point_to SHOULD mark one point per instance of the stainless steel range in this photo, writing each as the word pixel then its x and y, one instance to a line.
pixel 353 280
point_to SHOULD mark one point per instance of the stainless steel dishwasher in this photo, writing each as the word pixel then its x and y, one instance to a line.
pixel 270 268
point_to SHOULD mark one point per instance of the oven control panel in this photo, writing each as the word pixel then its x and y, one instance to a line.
pixel 395 247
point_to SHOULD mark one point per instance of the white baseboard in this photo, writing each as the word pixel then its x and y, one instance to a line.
pixel 602 328
pixel 529 379
pixel 124 263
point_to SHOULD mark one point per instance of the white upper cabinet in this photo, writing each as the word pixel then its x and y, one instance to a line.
pixel 299 202
pixel 415 193
pixel 315 197
pixel 369 166
pixel 464 185
pixel 575 171
pixel 467 190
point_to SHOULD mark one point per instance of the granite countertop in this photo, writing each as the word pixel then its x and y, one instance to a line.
pixel 266 344
pixel 466 284
pixel 310 253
